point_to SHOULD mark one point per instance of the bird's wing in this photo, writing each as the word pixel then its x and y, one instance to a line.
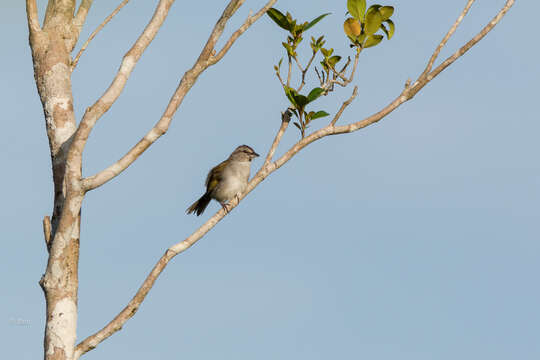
pixel 215 175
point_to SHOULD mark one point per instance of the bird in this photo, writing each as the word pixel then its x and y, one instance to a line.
pixel 226 180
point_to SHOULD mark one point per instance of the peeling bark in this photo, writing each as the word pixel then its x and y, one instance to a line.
pixel 51 47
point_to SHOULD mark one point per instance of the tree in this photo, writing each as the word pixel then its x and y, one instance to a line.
pixel 52 44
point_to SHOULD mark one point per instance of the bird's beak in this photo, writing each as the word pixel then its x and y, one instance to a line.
pixel 255 154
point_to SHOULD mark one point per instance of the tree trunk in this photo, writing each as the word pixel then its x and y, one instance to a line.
pixel 51 49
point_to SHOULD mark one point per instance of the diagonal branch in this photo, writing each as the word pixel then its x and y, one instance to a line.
pixel 285 120
pixel 268 168
pixel 104 103
pixel 446 38
pixel 249 21
pixel 94 33
pixel 424 79
pixel 188 80
pixel 345 104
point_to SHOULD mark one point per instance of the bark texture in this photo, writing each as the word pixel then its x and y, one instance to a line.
pixel 51 47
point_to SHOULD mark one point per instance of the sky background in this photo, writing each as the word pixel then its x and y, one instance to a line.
pixel 416 238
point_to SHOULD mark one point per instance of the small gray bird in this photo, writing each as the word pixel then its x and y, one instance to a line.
pixel 226 180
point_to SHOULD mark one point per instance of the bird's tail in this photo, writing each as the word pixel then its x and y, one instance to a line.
pixel 198 206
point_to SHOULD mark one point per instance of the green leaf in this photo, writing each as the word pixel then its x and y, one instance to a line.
pixel 386 12
pixel 373 40
pixel 298 126
pixel 279 63
pixel 290 92
pixel 289 49
pixel 357 8
pixel 391 29
pixel 301 101
pixel 319 114
pixel 314 94
pixel 334 60
pixel 314 21
pixel 279 18
pixel 373 20
pixel 327 52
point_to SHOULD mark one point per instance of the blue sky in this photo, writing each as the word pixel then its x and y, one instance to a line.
pixel 416 238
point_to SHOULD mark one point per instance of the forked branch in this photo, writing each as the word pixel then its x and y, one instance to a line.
pixel 451 32
pixel 268 168
pixel 104 103
pixel 94 33
pixel 205 60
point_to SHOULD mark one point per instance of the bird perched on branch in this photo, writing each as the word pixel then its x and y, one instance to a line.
pixel 226 180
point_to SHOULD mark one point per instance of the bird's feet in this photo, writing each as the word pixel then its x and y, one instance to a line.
pixel 225 207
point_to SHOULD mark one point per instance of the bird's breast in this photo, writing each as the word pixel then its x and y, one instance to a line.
pixel 234 181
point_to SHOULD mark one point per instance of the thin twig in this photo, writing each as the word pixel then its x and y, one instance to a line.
pixel 249 21
pixel 280 79
pixel 98 29
pixel 446 38
pixel 285 120
pixel 344 68
pixel 423 80
pixel 344 105
pixel 298 63
pixel 304 71
pixel 319 76
pixel 341 75
pixel 290 71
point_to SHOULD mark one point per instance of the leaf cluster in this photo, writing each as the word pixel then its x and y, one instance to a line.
pixel 363 26
pixel 361 29
pixel 299 103
pixel 295 29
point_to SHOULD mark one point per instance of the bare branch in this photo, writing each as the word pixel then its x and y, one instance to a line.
pixel 188 80
pixel 82 13
pixel 304 71
pixel 32 16
pixel 446 38
pixel 290 71
pixel 321 80
pixel 93 113
pixel 116 324
pixel 285 120
pixel 249 21
pixel 98 29
pixel 268 168
pixel 328 83
pixel 421 82
pixel 280 79
pixel 345 104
